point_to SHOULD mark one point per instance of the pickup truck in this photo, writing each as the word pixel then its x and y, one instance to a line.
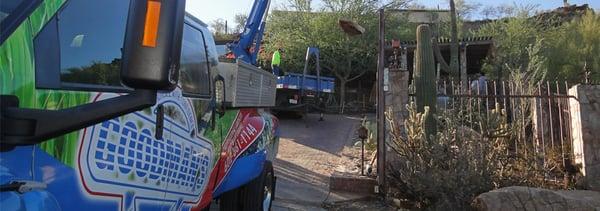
pixel 116 105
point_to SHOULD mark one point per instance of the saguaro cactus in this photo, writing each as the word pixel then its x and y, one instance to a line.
pixel 425 84
pixel 453 67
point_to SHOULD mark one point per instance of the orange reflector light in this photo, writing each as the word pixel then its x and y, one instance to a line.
pixel 151 24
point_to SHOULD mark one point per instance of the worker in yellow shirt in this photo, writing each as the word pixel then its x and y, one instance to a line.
pixel 275 62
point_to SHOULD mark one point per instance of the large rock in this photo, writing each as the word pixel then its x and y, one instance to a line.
pixel 526 198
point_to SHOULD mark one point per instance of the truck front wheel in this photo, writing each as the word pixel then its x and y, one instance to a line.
pixel 257 195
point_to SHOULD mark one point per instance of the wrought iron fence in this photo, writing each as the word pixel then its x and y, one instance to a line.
pixel 534 118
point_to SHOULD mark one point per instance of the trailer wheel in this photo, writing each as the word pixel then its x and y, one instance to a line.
pixel 257 195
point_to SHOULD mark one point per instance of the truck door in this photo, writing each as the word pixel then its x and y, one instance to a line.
pixel 188 115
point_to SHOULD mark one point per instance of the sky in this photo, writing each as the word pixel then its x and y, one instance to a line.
pixel 226 9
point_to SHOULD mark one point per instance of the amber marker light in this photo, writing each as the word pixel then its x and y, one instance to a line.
pixel 151 24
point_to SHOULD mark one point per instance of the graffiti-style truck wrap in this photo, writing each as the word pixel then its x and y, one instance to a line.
pixel 62 61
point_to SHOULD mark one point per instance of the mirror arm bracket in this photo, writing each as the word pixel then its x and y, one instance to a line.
pixel 24 126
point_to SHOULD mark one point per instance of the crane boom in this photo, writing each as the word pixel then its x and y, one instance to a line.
pixel 246 48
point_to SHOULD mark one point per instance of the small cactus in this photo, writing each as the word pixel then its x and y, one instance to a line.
pixel 425 84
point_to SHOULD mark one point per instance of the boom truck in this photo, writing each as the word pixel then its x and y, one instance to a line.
pixel 123 105
pixel 303 93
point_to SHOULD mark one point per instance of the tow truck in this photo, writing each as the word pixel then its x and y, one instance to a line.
pixel 123 105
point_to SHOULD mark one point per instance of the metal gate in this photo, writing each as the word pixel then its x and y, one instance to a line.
pixel 538 114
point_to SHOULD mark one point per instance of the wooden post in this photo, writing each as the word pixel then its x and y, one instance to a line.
pixel 404 65
pixel 381 148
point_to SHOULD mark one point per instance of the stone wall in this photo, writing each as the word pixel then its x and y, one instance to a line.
pixel 585 126
pixel 397 97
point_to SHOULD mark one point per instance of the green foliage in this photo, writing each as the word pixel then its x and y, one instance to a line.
pixel 441 173
pixel 512 37
pixel 544 49
pixel 340 54
pixel 424 77
pixel 538 63
pixel 346 58
pixel 96 73
pixel 573 46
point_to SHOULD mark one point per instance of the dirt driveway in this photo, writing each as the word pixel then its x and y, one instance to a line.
pixel 309 151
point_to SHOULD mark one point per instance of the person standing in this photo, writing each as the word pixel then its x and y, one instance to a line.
pixel 275 62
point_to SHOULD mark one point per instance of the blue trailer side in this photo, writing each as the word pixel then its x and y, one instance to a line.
pixel 303 93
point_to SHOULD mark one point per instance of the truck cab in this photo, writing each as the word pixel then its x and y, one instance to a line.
pixel 182 151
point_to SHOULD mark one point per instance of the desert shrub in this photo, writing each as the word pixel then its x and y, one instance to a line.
pixel 471 154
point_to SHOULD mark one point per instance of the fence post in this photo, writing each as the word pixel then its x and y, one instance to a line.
pixel 585 125
pixel 381 148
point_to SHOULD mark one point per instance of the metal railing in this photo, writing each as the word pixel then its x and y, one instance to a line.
pixel 537 115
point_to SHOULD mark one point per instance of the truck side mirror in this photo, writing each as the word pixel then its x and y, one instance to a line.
pixel 152 44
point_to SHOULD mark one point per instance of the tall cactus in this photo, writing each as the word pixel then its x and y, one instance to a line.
pixel 425 84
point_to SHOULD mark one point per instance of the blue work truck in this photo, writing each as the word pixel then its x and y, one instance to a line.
pixel 303 93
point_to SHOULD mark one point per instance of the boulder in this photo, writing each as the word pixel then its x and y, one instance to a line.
pixel 527 198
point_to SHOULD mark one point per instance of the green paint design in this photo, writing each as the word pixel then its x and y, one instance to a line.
pixel 16 65
pixel 222 125
pixel 43 13
pixel 63 148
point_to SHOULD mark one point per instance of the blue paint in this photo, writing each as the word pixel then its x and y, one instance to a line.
pixel 16 164
pixel 63 181
pixel 295 79
pixel 244 170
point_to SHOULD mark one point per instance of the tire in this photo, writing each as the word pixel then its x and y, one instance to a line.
pixel 229 201
pixel 257 195
pixel 268 189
